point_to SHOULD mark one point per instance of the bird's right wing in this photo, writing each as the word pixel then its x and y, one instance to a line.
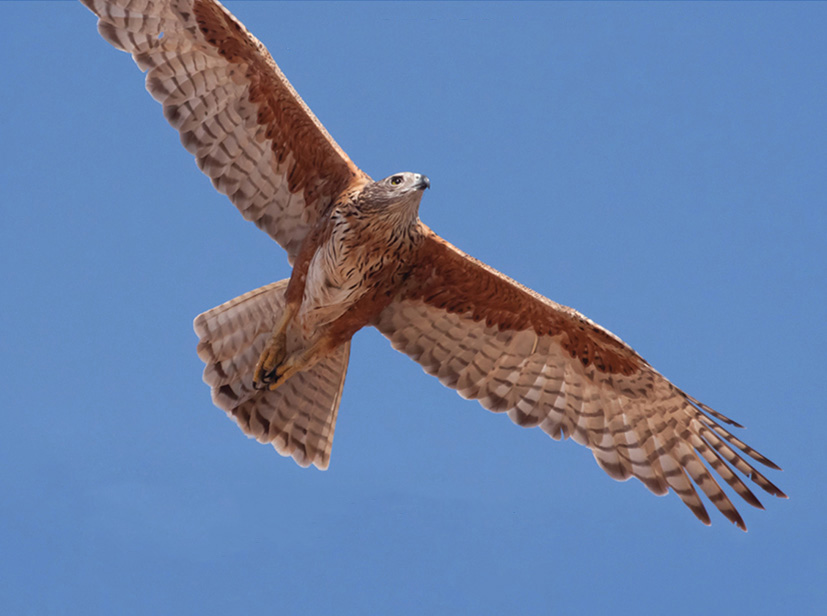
pixel 546 365
pixel 248 129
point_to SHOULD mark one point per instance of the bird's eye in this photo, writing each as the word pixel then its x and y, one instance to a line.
pixel 396 180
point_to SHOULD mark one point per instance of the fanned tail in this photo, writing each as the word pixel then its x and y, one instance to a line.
pixel 299 417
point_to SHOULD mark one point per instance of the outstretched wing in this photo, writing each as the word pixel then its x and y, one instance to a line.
pixel 546 365
pixel 249 131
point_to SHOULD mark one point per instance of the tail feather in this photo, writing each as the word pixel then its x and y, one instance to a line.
pixel 298 418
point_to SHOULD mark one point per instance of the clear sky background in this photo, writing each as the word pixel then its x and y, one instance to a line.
pixel 660 167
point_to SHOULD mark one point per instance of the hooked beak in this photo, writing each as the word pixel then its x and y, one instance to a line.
pixel 422 182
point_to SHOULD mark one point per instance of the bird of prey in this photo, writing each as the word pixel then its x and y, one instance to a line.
pixel 276 357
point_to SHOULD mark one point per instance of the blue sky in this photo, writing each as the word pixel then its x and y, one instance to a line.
pixel 660 167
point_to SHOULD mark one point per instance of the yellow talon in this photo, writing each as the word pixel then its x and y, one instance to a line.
pixel 271 359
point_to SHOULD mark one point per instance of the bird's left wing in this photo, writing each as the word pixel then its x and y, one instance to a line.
pixel 547 365
pixel 248 129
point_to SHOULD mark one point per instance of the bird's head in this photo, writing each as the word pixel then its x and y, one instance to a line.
pixel 398 195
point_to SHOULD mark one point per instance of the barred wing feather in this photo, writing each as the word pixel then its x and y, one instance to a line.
pixel 248 129
pixel 546 365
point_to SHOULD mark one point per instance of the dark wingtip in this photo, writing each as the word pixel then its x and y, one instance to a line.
pixel 767 462
pixel 733 516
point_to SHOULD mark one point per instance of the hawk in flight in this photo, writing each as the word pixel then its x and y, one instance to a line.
pixel 276 357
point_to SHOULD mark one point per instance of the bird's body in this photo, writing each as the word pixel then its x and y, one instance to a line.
pixel 357 250
pixel 348 270
pixel 276 357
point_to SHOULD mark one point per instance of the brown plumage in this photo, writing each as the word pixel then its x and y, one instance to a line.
pixel 277 356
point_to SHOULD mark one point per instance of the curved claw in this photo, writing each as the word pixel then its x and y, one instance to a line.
pixel 282 372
